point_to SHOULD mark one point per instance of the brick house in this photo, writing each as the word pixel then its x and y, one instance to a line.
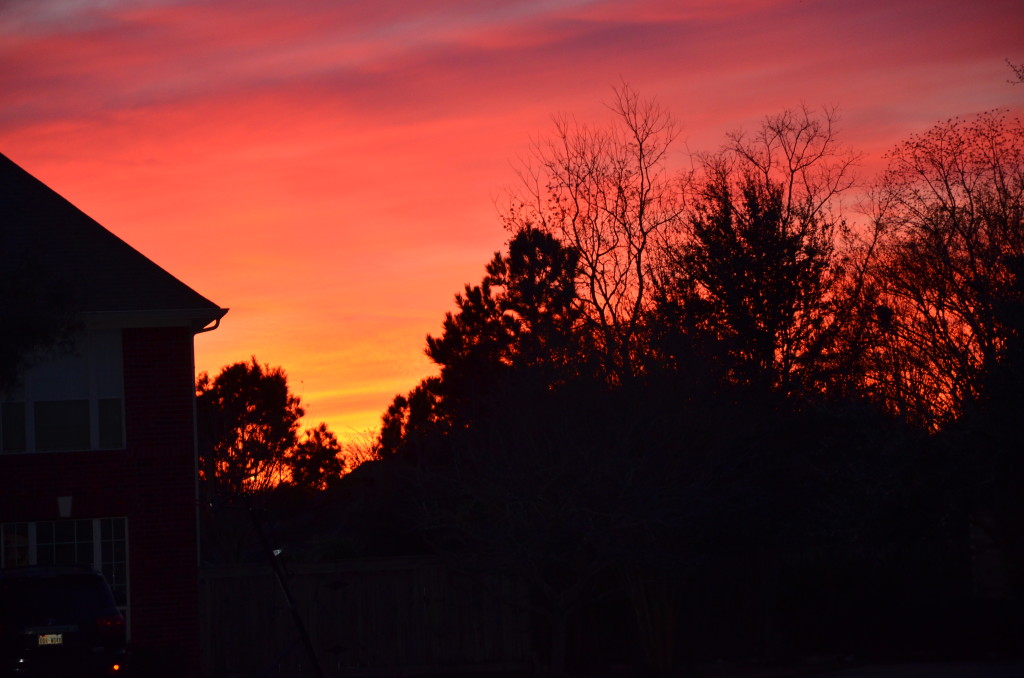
pixel 97 436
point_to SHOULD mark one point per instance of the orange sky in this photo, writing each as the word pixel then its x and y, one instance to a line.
pixel 328 169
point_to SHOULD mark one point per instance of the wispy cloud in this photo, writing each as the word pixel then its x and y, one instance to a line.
pixel 316 164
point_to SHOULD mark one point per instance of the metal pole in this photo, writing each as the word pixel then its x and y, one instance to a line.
pixel 281 580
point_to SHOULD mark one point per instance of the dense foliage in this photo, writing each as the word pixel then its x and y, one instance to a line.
pixel 249 435
pixel 696 413
pixel 667 371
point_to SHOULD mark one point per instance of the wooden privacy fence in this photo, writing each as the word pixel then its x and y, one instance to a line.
pixel 364 617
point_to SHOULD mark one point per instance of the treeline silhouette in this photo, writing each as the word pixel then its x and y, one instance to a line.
pixel 721 413
pixel 719 403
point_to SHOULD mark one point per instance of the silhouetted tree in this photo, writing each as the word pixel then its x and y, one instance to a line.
pixel 767 279
pixel 986 441
pixel 249 423
pixel 316 462
pixel 361 448
pixel 630 397
pixel 607 192
pixel 799 150
pixel 411 420
pixel 1018 72
pixel 251 452
pixel 951 205
pixel 522 315
pixel 518 325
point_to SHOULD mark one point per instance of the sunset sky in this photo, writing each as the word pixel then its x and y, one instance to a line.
pixel 330 170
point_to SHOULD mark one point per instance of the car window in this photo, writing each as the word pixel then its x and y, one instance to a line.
pixel 48 600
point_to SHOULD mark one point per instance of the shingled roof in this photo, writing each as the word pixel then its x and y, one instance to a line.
pixel 61 243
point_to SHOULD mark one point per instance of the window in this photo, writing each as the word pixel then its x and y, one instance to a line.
pixel 72 401
pixel 114 556
pixel 99 543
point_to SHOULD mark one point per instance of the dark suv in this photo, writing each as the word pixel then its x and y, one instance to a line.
pixel 59 622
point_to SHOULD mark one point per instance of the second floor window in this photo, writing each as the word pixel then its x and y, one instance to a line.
pixel 74 400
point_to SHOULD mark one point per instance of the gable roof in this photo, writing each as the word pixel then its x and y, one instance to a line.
pixel 53 241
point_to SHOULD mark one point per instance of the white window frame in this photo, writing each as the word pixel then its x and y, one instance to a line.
pixel 97 563
pixel 99 353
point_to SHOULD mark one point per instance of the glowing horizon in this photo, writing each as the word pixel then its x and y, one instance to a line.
pixel 330 173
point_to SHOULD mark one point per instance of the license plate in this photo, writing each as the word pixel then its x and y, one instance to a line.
pixel 51 639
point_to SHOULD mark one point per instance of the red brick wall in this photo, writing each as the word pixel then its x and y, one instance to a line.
pixel 31 483
pixel 162 540
pixel 151 481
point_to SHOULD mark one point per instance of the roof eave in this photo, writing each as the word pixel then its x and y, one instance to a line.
pixel 196 319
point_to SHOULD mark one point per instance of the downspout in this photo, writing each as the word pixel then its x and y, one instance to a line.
pixel 197 498
pixel 195 434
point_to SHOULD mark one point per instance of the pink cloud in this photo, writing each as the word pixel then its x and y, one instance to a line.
pixel 327 169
